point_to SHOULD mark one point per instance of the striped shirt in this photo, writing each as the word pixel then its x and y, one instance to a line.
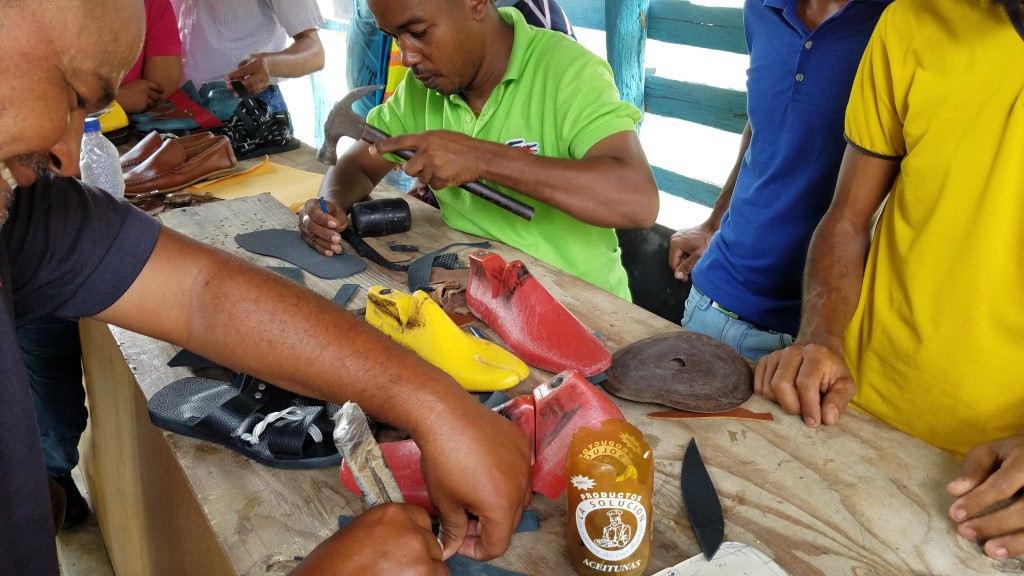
pixel 218 34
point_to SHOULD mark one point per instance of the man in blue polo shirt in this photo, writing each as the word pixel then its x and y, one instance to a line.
pixel 747 277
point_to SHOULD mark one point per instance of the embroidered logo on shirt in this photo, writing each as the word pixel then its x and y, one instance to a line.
pixel 522 144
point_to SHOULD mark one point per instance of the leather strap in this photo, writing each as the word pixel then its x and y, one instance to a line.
pixel 200 115
pixel 419 270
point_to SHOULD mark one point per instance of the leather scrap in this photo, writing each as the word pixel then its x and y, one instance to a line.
pixel 419 270
pixel 290 272
pixel 387 253
pixel 735 414
pixel 683 370
pixel 345 294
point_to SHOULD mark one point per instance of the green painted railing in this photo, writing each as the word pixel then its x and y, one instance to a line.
pixel 628 24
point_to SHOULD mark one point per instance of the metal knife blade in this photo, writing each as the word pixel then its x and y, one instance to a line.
pixel 361 452
pixel 702 505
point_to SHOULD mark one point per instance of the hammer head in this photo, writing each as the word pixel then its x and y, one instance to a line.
pixel 342 121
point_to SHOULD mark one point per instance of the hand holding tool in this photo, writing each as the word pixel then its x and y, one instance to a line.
pixel 342 121
pixel 361 452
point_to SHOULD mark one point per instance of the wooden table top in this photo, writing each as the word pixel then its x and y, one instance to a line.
pixel 858 497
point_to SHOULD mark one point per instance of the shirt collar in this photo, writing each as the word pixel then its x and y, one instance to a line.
pixel 522 37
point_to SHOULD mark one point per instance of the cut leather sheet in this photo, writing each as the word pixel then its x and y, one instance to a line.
pixel 734 414
pixel 286 245
pixel 683 370
pixel 344 294
pixel 290 272
pixel 292 187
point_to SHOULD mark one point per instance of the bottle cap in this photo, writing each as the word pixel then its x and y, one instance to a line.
pixel 92 124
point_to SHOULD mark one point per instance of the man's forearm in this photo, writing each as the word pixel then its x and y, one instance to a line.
pixel 165 71
pixel 839 248
pixel 344 186
pixel 253 321
pixel 832 283
pixel 304 56
pixel 611 190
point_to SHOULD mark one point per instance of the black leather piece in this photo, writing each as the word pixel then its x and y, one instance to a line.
pixel 419 270
pixel 276 399
pixel 286 245
pixel 235 416
pixel 345 294
pixel 190 359
pixel 287 438
pixel 702 504
pixel 366 251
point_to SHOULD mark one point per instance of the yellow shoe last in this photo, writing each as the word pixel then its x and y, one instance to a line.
pixel 419 324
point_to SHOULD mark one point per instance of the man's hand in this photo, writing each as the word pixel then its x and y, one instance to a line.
pixel 809 379
pixel 139 95
pixel 441 158
pixel 686 247
pixel 319 230
pixel 252 73
pixel 992 474
pixel 386 539
pixel 476 462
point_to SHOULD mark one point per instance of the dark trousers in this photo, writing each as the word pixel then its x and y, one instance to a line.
pixel 53 359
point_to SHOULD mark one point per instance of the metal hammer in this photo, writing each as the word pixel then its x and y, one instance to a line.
pixel 342 121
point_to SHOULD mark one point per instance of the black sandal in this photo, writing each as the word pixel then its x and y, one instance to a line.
pixel 262 424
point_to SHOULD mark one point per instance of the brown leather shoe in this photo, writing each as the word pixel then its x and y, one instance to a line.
pixel 174 166
pixel 151 142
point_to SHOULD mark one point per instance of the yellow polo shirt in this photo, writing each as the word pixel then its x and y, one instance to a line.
pixel 937 342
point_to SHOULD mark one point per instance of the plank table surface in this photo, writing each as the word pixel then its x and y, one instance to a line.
pixel 855 498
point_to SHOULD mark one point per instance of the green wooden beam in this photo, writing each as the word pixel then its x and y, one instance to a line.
pixel 716 107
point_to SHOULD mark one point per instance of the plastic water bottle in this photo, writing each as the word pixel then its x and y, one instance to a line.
pixel 100 162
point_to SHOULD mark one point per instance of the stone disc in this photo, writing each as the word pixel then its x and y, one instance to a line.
pixel 684 370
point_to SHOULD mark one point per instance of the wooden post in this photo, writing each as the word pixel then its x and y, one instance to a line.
pixel 626 27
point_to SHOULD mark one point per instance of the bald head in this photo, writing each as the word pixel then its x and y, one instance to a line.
pixel 64 67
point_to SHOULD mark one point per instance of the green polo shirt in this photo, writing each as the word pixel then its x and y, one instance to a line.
pixel 556 99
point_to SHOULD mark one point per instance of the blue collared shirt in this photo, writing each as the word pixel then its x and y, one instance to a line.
pixel 798 85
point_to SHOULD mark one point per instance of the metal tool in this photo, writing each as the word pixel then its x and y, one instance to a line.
pixel 342 121
pixel 702 505
pixel 361 452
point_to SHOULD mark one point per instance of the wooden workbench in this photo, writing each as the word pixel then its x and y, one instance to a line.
pixel 857 498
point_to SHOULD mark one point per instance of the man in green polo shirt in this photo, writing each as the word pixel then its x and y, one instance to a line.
pixel 528 110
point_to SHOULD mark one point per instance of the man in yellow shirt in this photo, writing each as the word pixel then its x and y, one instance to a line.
pixel 935 126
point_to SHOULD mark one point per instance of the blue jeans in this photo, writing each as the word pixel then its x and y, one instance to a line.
pixel 53 359
pixel 753 342
pixel 275 102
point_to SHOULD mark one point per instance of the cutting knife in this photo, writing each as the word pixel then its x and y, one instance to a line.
pixel 361 452
pixel 701 500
